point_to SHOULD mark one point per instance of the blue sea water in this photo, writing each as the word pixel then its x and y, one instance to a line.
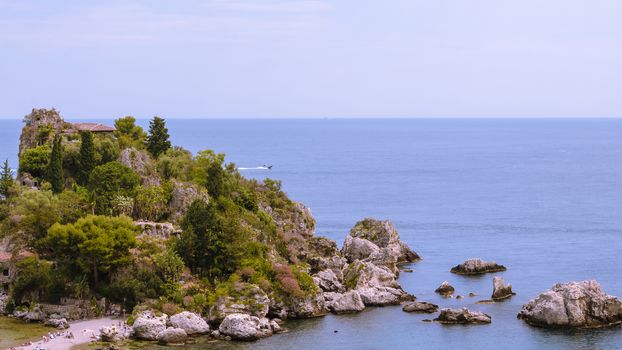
pixel 541 196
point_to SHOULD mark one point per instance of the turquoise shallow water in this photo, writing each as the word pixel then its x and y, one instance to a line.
pixel 543 197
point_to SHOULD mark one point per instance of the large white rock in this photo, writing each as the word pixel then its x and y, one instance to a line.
pixel 500 291
pixel 190 322
pixel 147 325
pixel 347 302
pixel 573 305
pixel 245 327
pixel 328 281
pixel 172 336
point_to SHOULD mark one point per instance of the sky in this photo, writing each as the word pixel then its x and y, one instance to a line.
pixel 311 58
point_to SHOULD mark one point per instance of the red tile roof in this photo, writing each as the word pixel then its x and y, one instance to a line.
pixel 93 127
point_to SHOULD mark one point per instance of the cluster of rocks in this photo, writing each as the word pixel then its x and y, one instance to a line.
pixel 35 314
pixel 477 267
pixel 164 329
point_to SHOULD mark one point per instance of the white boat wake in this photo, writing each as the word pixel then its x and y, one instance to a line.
pixel 268 167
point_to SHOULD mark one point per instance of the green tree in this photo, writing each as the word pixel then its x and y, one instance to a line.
pixel 212 242
pixel 87 157
pixel 158 138
pixel 151 202
pixel 6 180
pixel 110 180
pixel 96 245
pixel 128 133
pixel 55 167
pixel 34 161
pixel 215 180
pixel 32 213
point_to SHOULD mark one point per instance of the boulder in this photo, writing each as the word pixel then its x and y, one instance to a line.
pixel 477 267
pixel 245 298
pixel 355 248
pixel 445 289
pixel 375 284
pixel 35 315
pixel 347 302
pixel 111 334
pixel 573 305
pixel 276 327
pixel 245 327
pixel 306 307
pixel 190 322
pixel 4 300
pixel 172 336
pixel 328 281
pixel 384 235
pixel 182 195
pixel 462 316
pixel 142 164
pixel 499 290
pixel 420 307
pixel 60 323
pixel 147 325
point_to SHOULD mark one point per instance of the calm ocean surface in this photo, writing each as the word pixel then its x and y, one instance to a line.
pixel 543 197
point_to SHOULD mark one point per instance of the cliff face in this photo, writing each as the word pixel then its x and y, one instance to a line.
pixel 40 127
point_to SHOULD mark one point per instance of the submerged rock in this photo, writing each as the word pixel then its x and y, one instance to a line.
pixel 445 289
pixel 245 327
pixel 499 290
pixel 462 316
pixel 172 336
pixel 147 325
pixel 420 306
pixel 190 322
pixel 573 305
pixel 477 267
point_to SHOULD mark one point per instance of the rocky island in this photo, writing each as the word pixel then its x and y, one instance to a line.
pixel 182 243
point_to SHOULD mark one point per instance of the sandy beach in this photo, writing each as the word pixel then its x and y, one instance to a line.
pixel 83 332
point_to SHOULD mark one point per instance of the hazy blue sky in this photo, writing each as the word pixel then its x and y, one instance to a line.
pixel 311 58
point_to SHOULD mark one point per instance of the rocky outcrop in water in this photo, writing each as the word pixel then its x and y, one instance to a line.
pixel 377 242
pixel 573 305
pixel 462 316
pixel 477 267
pixel 499 290
pixel 190 322
pixel 245 327
pixel 445 289
pixel 420 307
pixel 347 302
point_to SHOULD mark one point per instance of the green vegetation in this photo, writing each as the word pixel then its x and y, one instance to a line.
pixel 109 181
pixel 129 134
pixel 55 168
pixel 157 140
pixel 79 229
pixel 6 180
pixel 34 161
pixel 87 157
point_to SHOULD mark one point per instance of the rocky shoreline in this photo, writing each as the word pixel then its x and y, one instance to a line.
pixel 364 273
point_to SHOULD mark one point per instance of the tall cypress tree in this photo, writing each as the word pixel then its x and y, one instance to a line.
pixel 87 157
pixel 55 168
pixel 6 179
pixel 157 140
